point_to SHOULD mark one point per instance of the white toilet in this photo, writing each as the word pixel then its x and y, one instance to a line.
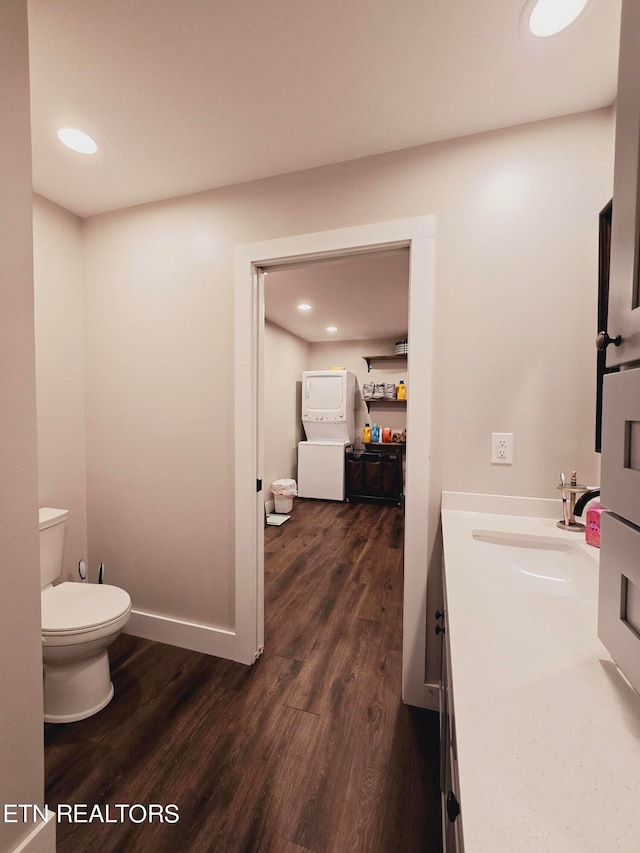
pixel 79 623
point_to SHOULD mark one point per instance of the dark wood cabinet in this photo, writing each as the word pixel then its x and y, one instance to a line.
pixel 375 474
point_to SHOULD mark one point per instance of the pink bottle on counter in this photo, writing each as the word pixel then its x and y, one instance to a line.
pixel 592 533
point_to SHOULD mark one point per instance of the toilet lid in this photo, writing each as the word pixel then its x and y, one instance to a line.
pixel 77 606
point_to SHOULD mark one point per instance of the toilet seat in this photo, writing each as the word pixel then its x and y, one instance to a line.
pixel 76 608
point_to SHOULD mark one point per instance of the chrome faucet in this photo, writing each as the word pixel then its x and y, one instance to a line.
pixel 584 499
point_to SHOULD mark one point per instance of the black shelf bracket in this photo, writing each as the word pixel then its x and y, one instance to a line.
pixel 386 357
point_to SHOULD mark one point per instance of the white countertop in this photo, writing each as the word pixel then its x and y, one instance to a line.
pixel 547 728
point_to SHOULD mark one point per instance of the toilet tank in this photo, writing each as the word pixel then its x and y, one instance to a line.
pixel 52 525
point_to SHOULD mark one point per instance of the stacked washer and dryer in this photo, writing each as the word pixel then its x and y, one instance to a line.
pixel 328 417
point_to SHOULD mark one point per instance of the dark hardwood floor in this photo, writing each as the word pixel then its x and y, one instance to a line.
pixel 310 749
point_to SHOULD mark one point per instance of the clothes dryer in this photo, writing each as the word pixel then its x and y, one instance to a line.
pixel 328 403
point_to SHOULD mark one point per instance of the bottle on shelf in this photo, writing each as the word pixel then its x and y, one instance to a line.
pixel 402 390
pixel 366 434
pixel 375 433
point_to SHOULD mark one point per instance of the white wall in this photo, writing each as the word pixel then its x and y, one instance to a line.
pixel 348 354
pixel 21 742
pixel 517 305
pixel 517 219
pixel 159 307
pixel 285 357
pixel 59 324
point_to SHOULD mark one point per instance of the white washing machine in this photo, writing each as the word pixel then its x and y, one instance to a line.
pixel 321 469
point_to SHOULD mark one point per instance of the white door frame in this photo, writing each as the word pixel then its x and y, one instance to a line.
pixel 418 234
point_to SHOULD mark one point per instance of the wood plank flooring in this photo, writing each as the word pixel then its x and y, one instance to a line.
pixel 310 749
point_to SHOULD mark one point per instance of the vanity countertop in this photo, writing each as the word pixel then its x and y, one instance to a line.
pixel 547 728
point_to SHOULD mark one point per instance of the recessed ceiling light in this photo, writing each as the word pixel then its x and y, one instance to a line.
pixel 304 307
pixel 77 140
pixel 549 17
pixel 332 328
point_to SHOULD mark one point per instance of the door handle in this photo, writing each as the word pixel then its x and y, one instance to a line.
pixel 453 807
pixel 603 340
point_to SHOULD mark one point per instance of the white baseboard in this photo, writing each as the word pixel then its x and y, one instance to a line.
pixel 186 635
pixel 42 838
pixel 424 696
pixel 270 505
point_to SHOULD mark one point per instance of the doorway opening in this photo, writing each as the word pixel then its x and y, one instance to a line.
pixel 252 261
pixel 333 574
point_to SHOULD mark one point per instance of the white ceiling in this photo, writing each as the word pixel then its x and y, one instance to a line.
pixel 187 95
pixel 366 296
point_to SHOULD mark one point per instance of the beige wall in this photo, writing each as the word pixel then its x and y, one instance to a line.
pixel 21 746
pixel 285 357
pixel 348 354
pixel 516 306
pixel 59 323
pixel 517 218
pixel 159 308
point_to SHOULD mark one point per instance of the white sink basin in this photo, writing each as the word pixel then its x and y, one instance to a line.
pixel 542 564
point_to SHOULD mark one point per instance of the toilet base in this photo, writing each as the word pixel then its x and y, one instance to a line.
pixel 75 690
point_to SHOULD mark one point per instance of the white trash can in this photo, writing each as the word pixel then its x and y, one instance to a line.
pixel 284 492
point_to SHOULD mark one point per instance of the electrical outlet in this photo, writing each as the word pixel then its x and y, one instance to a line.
pixel 502 448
